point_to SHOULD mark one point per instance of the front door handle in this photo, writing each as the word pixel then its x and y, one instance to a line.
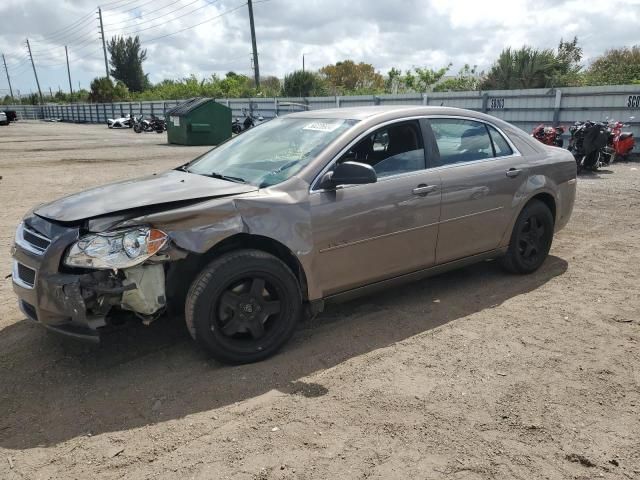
pixel 424 190
pixel 513 172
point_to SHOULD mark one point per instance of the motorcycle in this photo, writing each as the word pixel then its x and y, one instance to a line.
pixel 158 125
pixel 153 125
pixel 549 135
pixel 248 122
pixel 122 122
pixel 620 143
pixel 588 144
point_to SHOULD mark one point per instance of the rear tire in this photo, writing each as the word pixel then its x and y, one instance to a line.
pixel 530 240
pixel 243 306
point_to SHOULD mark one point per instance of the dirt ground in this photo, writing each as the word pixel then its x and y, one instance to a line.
pixel 474 374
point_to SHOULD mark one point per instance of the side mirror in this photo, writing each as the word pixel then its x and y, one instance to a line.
pixel 349 173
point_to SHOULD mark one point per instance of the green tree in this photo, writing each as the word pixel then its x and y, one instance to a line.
pixel 522 68
pixel 303 84
pixel 269 86
pixel 467 79
pixel 348 77
pixel 103 90
pixel 528 67
pixel 393 80
pixel 126 62
pixel 618 66
pixel 426 78
pixel 235 85
pixel 418 79
pixel 568 69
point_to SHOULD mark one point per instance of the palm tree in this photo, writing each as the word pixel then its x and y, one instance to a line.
pixel 522 68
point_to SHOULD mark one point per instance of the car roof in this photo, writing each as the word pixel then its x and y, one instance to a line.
pixel 365 112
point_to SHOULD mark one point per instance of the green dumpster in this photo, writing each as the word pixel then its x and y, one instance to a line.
pixel 198 121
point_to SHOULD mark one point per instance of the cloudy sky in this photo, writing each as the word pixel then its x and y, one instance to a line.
pixel 212 36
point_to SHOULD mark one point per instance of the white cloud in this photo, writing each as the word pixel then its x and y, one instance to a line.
pixel 382 32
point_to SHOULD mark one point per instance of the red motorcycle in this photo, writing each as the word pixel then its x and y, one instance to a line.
pixel 620 143
pixel 549 135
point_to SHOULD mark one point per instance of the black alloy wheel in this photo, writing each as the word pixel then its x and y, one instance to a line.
pixel 531 239
pixel 248 308
pixel 243 306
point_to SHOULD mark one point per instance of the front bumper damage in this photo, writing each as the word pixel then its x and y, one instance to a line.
pixel 78 304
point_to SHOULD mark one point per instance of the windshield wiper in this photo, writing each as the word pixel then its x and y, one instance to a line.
pixel 228 178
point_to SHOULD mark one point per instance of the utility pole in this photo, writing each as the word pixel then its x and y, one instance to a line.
pixel 303 62
pixel 104 47
pixel 7 72
pixel 34 71
pixel 66 52
pixel 256 67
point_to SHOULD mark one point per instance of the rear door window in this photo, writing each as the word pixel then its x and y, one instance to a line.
pixel 461 141
pixel 500 145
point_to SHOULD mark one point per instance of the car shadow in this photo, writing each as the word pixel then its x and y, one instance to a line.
pixel 53 389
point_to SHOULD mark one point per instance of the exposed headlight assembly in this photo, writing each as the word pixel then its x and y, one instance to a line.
pixel 115 250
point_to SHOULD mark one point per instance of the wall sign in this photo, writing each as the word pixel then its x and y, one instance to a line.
pixel 497 103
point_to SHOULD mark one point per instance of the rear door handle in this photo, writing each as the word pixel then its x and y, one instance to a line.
pixel 513 172
pixel 423 189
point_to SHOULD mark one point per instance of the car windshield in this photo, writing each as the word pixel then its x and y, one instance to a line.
pixel 272 152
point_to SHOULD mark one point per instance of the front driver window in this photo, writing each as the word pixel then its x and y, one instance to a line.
pixel 391 150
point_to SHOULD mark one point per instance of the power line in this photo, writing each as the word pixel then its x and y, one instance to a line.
pixel 155 18
pixel 55 52
pixel 135 8
pixel 81 22
pixel 63 62
pixel 21 62
pixel 197 24
pixel 113 3
pixel 80 33
pixel 68 27
pixel 171 20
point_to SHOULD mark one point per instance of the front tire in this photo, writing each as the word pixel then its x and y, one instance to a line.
pixel 530 240
pixel 244 306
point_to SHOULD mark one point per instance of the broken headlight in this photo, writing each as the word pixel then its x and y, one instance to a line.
pixel 117 249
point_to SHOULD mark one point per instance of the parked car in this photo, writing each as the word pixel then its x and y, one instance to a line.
pixel 12 116
pixel 3 119
pixel 307 208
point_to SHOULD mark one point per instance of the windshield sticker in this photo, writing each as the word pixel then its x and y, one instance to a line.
pixel 322 126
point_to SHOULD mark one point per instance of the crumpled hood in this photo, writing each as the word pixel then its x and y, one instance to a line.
pixel 168 187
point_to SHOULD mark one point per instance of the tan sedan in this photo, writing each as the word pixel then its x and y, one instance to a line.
pixel 300 210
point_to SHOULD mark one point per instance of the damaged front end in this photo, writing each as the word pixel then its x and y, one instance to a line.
pixel 77 283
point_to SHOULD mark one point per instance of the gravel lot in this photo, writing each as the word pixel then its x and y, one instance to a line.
pixel 474 374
